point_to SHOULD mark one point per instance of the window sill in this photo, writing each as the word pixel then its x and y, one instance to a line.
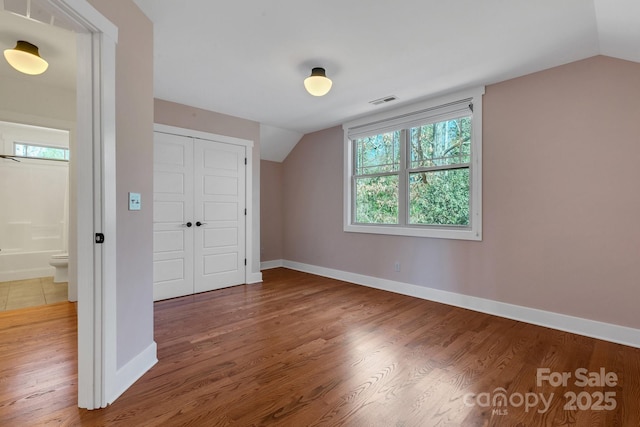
pixel 433 232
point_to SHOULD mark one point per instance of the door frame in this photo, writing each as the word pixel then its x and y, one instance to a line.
pixel 95 264
pixel 248 144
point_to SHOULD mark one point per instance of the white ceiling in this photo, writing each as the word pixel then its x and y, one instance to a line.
pixel 45 28
pixel 248 58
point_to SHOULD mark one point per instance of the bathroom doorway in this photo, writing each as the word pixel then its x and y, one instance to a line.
pixel 34 220
pixel 93 182
pixel 39 111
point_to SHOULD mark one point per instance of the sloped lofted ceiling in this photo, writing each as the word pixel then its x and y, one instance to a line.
pixel 249 58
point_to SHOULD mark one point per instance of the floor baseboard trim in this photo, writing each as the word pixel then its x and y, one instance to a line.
pixel 586 327
pixel 133 370
pixel 267 265
pixel 34 273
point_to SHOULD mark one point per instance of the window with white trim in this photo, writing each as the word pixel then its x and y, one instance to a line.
pixel 39 151
pixel 417 171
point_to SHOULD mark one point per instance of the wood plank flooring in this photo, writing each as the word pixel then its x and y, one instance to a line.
pixel 302 350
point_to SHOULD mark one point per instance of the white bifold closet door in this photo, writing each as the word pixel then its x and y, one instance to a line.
pixel 199 215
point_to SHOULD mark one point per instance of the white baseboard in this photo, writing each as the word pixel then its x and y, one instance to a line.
pixel 590 328
pixel 266 265
pixel 34 273
pixel 133 370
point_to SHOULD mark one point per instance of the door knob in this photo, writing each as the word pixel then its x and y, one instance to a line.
pixel 198 224
pixel 188 224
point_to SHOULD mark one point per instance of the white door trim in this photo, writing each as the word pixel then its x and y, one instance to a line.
pixel 96 207
pixel 157 127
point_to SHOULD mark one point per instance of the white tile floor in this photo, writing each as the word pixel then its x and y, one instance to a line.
pixel 31 292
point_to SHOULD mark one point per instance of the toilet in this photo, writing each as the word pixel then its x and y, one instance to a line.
pixel 61 264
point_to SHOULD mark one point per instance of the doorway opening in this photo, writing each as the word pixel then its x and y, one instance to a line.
pixel 92 266
pixel 34 221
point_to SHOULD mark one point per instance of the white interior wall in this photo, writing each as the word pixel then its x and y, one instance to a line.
pixel 35 192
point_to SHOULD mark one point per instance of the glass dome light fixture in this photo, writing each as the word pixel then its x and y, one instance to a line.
pixel 318 84
pixel 26 58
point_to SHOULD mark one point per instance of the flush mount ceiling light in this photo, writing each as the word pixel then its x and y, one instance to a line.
pixel 317 84
pixel 26 59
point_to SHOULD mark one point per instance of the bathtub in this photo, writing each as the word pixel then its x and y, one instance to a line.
pixel 16 265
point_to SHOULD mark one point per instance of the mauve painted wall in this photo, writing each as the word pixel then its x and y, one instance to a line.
pixel 270 210
pixel 184 116
pixel 134 168
pixel 561 201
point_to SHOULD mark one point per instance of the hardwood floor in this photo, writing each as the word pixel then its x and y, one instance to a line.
pixel 38 365
pixel 301 350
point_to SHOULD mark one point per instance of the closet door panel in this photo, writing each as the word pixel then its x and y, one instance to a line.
pixel 219 195
pixel 223 263
pixel 220 237
pixel 200 182
pixel 172 209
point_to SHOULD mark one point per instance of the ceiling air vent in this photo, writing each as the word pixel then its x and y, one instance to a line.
pixel 383 100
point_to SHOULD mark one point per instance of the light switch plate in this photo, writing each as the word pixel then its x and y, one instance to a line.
pixel 135 202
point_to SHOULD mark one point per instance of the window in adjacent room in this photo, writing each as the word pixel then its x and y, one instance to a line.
pixel 38 151
pixel 417 171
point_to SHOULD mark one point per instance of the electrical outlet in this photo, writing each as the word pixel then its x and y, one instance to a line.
pixel 396 266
